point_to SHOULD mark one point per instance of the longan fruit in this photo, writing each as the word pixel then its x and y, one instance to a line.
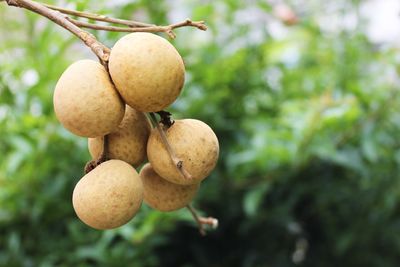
pixel 194 142
pixel 163 195
pixel 147 71
pixel 128 142
pixel 109 196
pixel 85 100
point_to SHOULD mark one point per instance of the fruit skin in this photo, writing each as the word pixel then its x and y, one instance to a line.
pixel 108 196
pixel 147 71
pixel 163 195
pixel 85 100
pixel 128 142
pixel 194 142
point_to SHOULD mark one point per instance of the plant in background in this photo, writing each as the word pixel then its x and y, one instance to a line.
pixel 307 121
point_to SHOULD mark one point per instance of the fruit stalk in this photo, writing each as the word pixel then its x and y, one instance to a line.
pixel 91 165
pixel 177 162
pixel 201 221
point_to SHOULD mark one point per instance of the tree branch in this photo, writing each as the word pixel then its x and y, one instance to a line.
pixel 59 16
pixel 135 26
pixel 202 221
pixel 101 51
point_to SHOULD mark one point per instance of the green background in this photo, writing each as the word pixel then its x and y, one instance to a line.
pixel 307 118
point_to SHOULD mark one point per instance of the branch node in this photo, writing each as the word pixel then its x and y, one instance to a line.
pixel 171 34
pixel 213 222
pixel 179 164
pixel 202 221
pixel 13 3
pixel 166 119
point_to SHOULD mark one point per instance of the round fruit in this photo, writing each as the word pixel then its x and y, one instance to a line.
pixel 194 142
pixel 108 196
pixel 85 100
pixel 147 71
pixel 128 142
pixel 163 195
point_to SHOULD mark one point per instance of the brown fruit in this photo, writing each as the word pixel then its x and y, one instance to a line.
pixel 194 142
pixel 108 196
pixel 128 142
pixel 147 71
pixel 85 100
pixel 163 195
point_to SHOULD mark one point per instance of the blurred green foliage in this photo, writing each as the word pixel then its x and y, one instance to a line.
pixel 308 123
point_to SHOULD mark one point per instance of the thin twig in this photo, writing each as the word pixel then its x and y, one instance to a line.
pixel 101 51
pixel 202 221
pixel 88 25
pixel 167 29
pixel 175 160
pixel 58 15
pixel 98 17
pixel 135 26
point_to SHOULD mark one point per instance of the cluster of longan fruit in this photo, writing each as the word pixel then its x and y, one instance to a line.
pixel 145 74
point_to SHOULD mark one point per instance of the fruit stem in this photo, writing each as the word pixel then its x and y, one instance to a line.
pixel 202 221
pixel 104 154
pixel 177 162
pixel 91 165
pixel 166 116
